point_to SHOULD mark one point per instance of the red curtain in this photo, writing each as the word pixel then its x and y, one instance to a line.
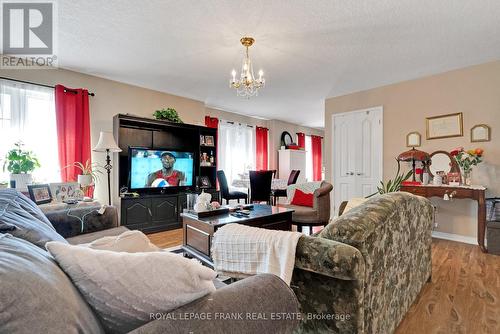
pixel 261 148
pixel 211 122
pixel 73 129
pixel 316 157
pixel 301 140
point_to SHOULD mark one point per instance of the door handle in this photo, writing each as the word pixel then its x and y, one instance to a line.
pixel 359 174
pixel 349 173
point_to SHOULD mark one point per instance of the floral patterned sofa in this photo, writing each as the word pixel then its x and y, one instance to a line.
pixel 363 271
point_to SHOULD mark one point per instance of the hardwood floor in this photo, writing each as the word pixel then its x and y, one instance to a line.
pixel 167 239
pixel 463 297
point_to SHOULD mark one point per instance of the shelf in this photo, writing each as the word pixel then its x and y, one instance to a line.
pixel 208 166
pixel 209 146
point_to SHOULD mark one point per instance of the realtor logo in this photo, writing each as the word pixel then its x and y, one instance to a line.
pixel 28 30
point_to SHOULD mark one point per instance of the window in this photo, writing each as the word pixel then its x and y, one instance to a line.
pixel 27 114
pixel 309 159
pixel 236 149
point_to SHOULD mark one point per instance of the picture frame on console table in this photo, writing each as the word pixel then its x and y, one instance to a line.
pixel 445 126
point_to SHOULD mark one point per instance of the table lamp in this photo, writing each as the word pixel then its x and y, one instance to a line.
pixel 414 155
pixel 107 144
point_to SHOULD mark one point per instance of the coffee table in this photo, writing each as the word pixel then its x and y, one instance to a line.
pixel 198 232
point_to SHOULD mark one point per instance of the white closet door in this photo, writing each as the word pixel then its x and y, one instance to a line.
pixel 357 154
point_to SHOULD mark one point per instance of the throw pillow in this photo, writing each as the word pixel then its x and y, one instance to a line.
pixel 130 242
pixel 125 288
pixel 36 296
pixel 354 202
pixel 302 199
pixel 23 219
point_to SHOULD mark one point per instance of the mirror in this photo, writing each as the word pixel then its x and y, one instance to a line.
pixel 413 139
pixel 286 139
pixel 480 133
pixel 443 161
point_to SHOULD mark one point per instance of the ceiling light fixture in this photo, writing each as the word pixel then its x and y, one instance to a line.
pixel 247 85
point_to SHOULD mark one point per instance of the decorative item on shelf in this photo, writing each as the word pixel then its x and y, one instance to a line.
pixel 204 182
pixel 4 184
pixel 40 193
pixel 413 155
pixel 445 126
pixel 169 114
pixel 20 163
pixel 466 160
pixel 209 141
pixel 413 139
pixel 205 160
pixel 247 85
pixel 107 144
pixel 202 140
pixel 287 141
pixel 480 133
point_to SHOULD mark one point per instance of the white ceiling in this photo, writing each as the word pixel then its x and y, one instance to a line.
pixel 309 50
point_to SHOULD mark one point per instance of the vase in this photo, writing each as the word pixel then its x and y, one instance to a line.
pixel 467 177
pixel 21 180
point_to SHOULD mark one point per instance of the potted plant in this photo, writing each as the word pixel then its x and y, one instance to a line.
pixel 393 185
pixel 20 163
pixel 169 114
pixel 89 173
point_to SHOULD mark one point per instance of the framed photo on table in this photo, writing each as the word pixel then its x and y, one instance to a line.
pixel 40 193
pixel 65 190
pixel 445 126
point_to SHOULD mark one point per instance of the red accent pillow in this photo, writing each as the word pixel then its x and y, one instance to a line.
pixel 301 198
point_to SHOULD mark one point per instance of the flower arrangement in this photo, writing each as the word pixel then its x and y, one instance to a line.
pixel 466 160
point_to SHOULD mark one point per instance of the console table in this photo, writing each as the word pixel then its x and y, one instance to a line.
pixel 476 193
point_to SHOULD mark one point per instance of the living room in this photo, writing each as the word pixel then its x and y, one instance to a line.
pixel 281 179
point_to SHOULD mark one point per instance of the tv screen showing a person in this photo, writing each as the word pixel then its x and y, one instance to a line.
pixel 160 168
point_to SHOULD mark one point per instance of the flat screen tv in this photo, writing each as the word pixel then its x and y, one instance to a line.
pixel 153 168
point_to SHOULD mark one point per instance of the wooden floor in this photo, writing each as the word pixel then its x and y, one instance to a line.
pixel 463 297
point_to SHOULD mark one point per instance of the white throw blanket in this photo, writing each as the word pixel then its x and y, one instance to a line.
pixel 240 251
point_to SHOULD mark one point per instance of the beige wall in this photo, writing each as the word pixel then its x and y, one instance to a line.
pixel 474 91
pixel 112 97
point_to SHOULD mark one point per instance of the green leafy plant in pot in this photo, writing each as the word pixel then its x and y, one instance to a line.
pixel 89 173
pixel 169 114
pixel 20 163
pixel 393 185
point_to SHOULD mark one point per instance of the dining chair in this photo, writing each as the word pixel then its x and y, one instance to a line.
pixel 224 189
pixel 292 179
pixel 260 186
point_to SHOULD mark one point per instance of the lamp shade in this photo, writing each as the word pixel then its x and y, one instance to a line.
pixel 106 142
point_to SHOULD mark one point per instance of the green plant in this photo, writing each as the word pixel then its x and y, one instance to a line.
pixel 92 169
pixel 19 161
pixel 393 185
pixel 169 114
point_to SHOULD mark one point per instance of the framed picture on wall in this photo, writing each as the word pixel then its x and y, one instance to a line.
pixel 445 126
pixel 209 140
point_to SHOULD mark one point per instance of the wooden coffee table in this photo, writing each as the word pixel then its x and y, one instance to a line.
pixel 198 232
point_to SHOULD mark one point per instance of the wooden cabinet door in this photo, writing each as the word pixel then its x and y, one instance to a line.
pixel 136 213
pixel 164 210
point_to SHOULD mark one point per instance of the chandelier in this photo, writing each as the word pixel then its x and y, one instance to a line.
pixel 247 85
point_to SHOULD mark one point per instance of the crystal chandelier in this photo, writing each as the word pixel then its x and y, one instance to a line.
pixel 247 85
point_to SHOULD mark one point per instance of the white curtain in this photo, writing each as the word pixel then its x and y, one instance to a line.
pixel 236 149
pixel 27 114
pixel 309 166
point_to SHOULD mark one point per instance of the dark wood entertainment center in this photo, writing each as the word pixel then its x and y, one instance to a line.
pixel 160 209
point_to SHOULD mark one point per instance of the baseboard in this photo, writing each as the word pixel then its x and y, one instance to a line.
pixel 454 237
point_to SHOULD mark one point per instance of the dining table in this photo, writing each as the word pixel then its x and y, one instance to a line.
pixel 245 183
